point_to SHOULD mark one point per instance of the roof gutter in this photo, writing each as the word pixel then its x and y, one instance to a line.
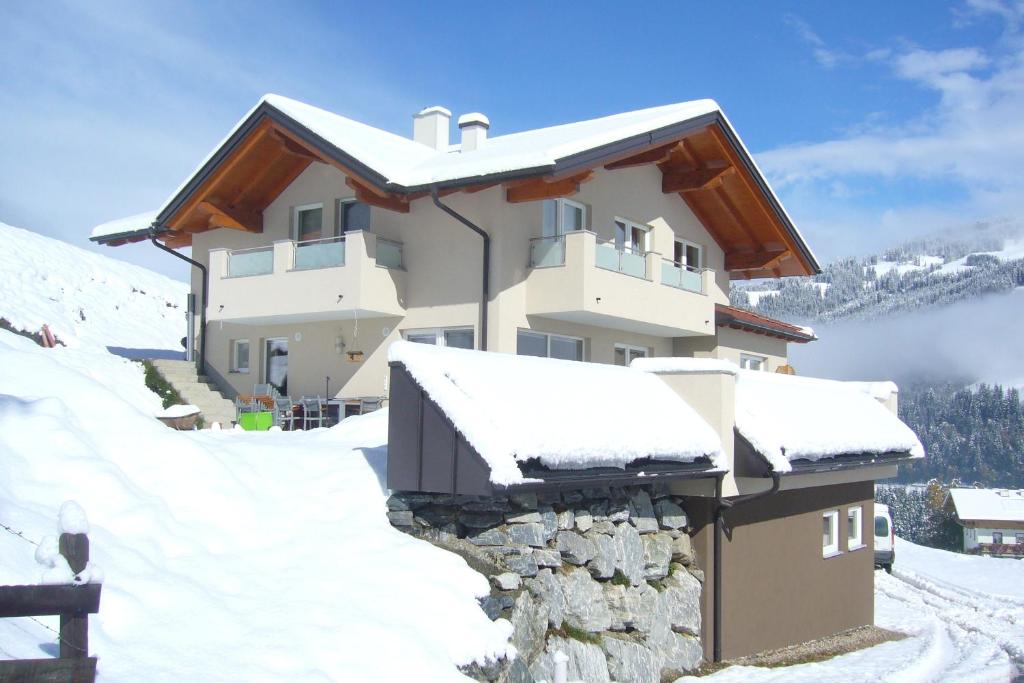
pixel 485 296
pixel 721 505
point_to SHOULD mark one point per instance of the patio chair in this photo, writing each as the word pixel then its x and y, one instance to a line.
pixel 264 390
pixel 312 411
pixel 284 416
pixel 242 406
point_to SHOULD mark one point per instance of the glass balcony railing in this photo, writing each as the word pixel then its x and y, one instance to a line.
pixel 389 254
pixel 682 276
pixel 325 253
pixel 246 262
pixel 547 251
pixel 625 260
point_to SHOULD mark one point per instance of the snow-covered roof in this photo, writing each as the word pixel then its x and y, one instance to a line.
pixel 1004 505
pixel 787 418
pixel 140 221
pixel 666 364
pixel 512 409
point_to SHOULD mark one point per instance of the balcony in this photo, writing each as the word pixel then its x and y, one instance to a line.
pixel 580 278
pixel 337 278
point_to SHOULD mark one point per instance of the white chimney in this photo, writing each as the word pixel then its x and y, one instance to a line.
pixel 474 130
pixel 430 127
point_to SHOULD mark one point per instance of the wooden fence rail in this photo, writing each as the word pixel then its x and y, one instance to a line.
pixel 73 603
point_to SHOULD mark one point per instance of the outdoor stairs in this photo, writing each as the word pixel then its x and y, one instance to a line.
pixel 197 390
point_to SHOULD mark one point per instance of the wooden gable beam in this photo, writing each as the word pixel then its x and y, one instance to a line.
pixel 758 260
pixel 706 178
pixel 537 188
pixel 235 218
pixel 290 147
pixel 651 156
pixel 374 197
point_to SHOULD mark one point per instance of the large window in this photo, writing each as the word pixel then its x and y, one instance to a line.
pixel 275 364
pixel 631 237
pixel 854 528
pixel 353 215
pixel 688 255
pixel 830 533
pixel 529 343
pixel 751 362
pixel 625 353
pixel 240 355
pixel 562 216
pixel 309 222
pixel 455 337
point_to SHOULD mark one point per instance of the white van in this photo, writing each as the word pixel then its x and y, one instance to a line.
pixel 885 538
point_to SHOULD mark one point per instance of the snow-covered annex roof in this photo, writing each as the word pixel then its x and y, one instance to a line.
pixel 999 505
pixel 786 418
pixel 564 414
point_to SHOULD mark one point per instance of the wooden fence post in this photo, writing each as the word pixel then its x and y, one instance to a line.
pixel 74 628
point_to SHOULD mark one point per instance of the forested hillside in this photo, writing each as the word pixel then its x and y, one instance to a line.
pixel 975 434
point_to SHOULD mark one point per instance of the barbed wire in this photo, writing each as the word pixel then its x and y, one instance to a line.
pixel 59 639
pixel 17 533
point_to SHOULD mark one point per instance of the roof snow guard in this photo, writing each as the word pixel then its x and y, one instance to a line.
pixel 748 321
pixel 477 423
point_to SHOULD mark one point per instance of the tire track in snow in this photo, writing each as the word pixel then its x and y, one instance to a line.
pixel 970 633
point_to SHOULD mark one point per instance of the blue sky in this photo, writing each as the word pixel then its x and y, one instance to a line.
pixel 875 121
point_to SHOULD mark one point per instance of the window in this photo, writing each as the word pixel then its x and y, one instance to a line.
pixel 625 353
pixel 561 216
pixel 688 255
pixel 353 215
pixel 1020 539
pixel 240 356
pixel 830 533
pixel 997 537
pixel 309 222
pixel 275 368
pixel 751 362
pixel 530 343
pixel 881 527
pixel 854 526
pixel 631 237
pixel 454 337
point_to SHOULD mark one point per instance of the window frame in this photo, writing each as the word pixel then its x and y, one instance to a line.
pixel 296 226
pixel 1000 535
pixel 689 243
pixel 559 227
pixel 627 348
pixel 339 223
pixel 547 343
pixel 746 358
pixel 439 334
pixel 234 356
pixel 629 225
pixel 855 542
pixel 830 549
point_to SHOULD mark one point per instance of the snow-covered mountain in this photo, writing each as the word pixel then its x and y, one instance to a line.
pixel 947 268
pixel 86 299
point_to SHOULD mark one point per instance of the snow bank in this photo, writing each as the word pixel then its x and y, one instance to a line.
pixel 260 556
pixel 514 408
pixel 785 418
pixel 87 299
pixel 684 365
pixel 180 410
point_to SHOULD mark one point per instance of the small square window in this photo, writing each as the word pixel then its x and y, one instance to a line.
pixel 240 353
pixel 830 533
pixel 854 528
pixel 751 362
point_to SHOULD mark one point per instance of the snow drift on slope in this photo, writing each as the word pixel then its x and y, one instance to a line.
pixel 86 298
pixel 228 555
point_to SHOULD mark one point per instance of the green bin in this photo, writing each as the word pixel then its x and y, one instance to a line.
pixel 256 422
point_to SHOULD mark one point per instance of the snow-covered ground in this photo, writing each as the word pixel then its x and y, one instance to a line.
pixel 227 555
pixel 964 614
pixel 87 299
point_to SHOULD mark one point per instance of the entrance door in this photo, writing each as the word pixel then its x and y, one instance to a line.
pixel 275 363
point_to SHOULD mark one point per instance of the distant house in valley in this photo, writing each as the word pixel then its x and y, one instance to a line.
pixel 992 520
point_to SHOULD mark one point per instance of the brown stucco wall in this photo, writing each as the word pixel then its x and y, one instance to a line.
pixel 777 589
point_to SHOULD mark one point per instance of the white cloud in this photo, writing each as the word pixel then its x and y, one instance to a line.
pixel 825 56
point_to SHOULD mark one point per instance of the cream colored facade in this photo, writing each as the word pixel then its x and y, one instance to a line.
pixel 422 270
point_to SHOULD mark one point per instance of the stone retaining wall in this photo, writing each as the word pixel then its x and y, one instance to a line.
pixel 607 576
